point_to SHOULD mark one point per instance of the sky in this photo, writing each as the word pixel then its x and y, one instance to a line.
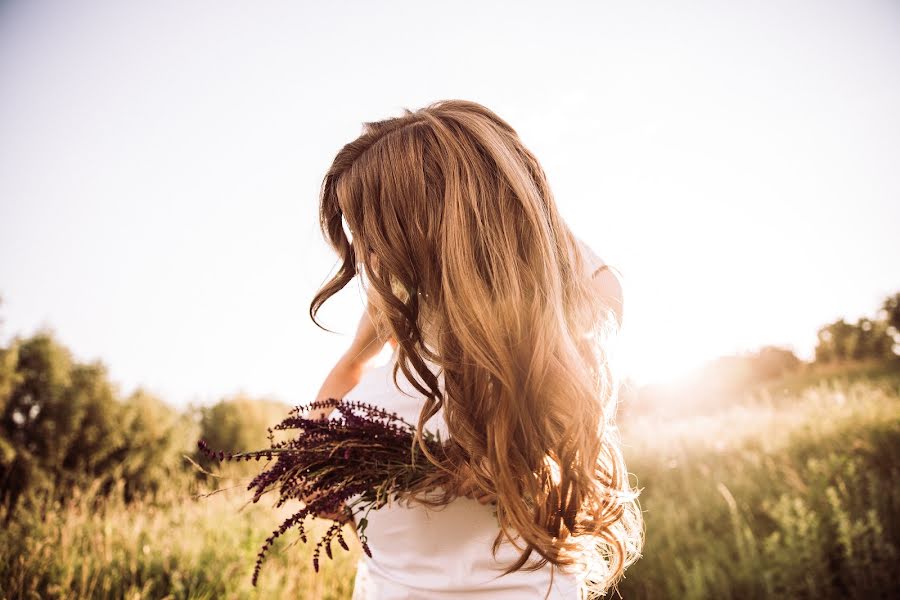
pixel 160 164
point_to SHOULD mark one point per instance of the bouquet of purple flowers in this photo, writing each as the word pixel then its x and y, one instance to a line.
pixel 372 454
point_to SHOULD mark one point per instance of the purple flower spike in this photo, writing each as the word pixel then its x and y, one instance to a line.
pixel 336 467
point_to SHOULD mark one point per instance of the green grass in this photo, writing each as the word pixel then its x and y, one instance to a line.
pixel 785 496
pixel 792 492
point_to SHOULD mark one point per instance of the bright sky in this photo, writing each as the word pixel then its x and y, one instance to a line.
pixel 160 164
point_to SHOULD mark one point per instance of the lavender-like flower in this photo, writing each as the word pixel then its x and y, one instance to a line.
pixel 371 454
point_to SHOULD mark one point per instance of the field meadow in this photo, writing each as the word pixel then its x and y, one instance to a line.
pixel 791 490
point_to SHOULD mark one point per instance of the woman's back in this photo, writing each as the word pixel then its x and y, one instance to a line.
pixel 421 552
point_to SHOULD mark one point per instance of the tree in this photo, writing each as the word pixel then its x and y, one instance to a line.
pixel 59 418
pixel 62 425
pixel 890 311
pixel 890 315
pixel 155 439
pixel 836 341
pixel 877 338
pixel 773 361
pixel 239 424
pixel 40 372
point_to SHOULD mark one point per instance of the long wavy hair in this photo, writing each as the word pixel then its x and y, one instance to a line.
pixel 483 286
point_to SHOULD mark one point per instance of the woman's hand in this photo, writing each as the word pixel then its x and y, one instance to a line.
pixel 341 515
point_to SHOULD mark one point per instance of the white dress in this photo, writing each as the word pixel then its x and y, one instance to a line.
pixel 425 553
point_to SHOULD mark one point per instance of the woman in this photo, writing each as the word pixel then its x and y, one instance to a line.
pixel 501 320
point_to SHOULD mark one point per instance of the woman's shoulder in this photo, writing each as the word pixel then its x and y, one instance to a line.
pixel 592 260
pixel 607 281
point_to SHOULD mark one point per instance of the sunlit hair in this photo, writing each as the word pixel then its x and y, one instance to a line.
pixel 483 285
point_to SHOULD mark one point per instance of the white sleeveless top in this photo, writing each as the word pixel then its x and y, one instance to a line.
pixel 427 553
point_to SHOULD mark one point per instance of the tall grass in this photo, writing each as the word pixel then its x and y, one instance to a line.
pixel 779 495
pixel 177 548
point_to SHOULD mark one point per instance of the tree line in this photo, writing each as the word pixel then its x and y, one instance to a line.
pixel 64 424
pixel 865 338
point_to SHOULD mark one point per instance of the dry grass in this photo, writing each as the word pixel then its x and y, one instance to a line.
pixel 778 495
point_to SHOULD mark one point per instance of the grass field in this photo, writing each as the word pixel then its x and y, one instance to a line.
pixel 791 492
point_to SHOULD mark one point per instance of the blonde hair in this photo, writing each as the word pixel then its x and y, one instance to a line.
pixel 454 224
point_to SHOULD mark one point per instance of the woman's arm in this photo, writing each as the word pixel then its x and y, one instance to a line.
pixel 607 281
pixel 344 376
pixel 348 370
pixel 608 285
